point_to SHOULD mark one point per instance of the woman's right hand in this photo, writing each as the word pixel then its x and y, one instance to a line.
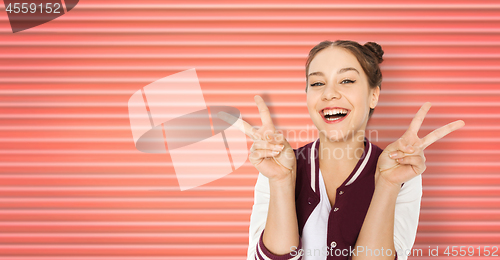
pixel 270 154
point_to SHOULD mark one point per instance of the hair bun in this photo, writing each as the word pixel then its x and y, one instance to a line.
pixel 376 49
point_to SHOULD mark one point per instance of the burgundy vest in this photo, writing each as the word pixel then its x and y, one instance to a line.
pixel 352 201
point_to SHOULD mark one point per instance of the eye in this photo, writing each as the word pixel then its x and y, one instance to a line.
pixel 347 81
pixel 316 84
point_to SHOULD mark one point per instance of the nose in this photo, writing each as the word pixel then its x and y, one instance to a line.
pixel 330 92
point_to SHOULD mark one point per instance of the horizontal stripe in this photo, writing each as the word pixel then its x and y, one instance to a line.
pixel 129 140
pixel 489 56
pixel 88 43
pixel 126 188
pixel 113 235
pixel 204 211
pixel 234 80
pixel 233 68
pixel 134 151
pixel 130 211
pixel 307 127
pixel 239 104
pixel 185 235
pixel 278 116
pixel 486 92
pixel 211 199
pixel 123 247
pixel 96 176
pixel 163 164
pixel 204 223
pixel 26 164
pixel 195 199
pixel 69 176
pixel 233 103
pixel 124 223
pixel 184 257
pixel 263 30
pixel 80 257
pixel 283 6
pixel 207 188
pixel 258 18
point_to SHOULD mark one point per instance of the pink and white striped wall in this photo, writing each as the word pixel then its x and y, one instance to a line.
pixel 73 185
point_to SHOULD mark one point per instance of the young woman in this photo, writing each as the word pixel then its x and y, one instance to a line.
pixel 339 197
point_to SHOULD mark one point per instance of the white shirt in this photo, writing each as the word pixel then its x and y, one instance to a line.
pixel 314 234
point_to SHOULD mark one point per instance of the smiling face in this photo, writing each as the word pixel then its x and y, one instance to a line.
pixel 338 96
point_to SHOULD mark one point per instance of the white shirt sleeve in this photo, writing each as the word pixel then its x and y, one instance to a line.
pixel 406 216
pixel 259 214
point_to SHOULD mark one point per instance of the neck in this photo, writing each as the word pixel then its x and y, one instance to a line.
pixel 344 150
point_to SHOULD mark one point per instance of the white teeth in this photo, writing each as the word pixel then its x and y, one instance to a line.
pixel 334 112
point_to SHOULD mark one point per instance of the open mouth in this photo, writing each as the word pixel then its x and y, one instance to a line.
pixel 331 115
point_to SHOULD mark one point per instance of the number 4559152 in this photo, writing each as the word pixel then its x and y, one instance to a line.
pixel 470 251
pixel 33 8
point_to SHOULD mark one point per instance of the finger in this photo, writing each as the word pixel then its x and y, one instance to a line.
pixel 396 154
pixel 262 154
pixel 416 161
pixel 276 138
pixel 405 146
pixel 441 132
pixel 273 140
pixel 265 116
pixel 402 149
pixel 419 117
pixel 278 162
pixel 263 145
pixel 266 133
pixel 239 123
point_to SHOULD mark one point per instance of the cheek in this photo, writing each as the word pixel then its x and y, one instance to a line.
pixel 313 100
pixel 310 99
pixel 358 99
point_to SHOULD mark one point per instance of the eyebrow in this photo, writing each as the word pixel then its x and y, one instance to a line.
pixel 347 69
pixel 319 73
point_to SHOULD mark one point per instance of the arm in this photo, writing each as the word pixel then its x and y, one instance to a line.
pixel 378 228
pixel 281 233
pixel 401 162
pixel 394 211
pixel 275 160
pixel 261 221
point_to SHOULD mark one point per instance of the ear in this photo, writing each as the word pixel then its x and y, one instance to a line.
pixel 374 96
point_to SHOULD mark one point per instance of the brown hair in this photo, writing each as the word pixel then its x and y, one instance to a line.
pixel 368 55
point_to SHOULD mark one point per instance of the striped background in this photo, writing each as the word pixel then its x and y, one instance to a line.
pixel 73 186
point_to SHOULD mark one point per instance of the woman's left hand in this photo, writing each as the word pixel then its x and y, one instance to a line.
pixel 404 159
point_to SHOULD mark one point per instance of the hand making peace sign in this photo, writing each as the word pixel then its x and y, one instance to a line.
pixel 270 153
pixel 404 159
